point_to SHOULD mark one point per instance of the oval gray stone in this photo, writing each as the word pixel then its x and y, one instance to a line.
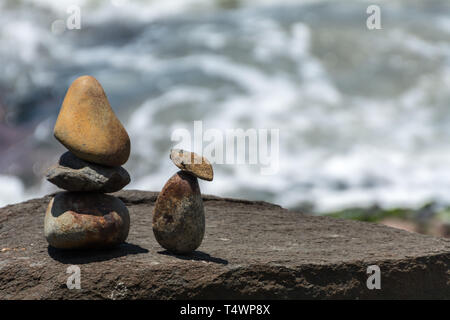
pixel 76 220
pixel 179 216
pixel 75 174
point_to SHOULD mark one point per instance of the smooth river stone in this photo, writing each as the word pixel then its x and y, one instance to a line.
pixel 193 163
pixel 179 217
pixel 75 174
pixel 77 220
pixel 88 127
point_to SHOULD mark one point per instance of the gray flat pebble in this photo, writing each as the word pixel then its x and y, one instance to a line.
pixel 75 174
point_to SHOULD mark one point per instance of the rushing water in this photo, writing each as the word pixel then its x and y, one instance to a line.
pixel 363 115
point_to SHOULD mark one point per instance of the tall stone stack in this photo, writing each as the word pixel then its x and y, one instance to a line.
pixel 179 215
pixel 84 216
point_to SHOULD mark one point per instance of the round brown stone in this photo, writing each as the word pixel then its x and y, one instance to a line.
pixel 76 220
pixel 193 163
pixel 179 217
pixel 88 127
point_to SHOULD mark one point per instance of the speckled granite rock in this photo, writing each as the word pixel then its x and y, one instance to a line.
pixel 192 163
pixel 179 217
pixel 250 250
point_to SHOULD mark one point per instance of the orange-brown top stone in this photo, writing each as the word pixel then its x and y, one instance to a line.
pixel 193 163
pixel 88 127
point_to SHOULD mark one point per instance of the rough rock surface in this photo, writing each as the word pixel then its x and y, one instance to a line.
pixel 87 126
pixel 250 250
pixel 75 174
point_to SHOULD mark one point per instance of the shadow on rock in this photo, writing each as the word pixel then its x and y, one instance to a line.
pixel 94 255
pixel 197 256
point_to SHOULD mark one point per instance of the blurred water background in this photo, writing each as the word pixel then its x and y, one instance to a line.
pixel 363 115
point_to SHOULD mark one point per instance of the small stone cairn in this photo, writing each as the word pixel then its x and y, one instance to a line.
pixel 84 216
pixel 179 216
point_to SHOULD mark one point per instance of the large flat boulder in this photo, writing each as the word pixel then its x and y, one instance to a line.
pixel 250 250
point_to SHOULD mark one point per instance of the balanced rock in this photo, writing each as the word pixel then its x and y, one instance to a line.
pixel 88 127
pixel 193 163
pixel 75 174
pixel 76 220
pixel 179 217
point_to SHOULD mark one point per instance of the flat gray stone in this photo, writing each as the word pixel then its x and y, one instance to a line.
pixel 75 174
pixel 250 250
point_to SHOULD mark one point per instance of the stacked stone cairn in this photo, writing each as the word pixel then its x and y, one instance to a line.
pixel 84 216
pixel 179 216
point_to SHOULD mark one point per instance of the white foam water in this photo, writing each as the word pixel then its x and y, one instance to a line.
pixel 363 115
